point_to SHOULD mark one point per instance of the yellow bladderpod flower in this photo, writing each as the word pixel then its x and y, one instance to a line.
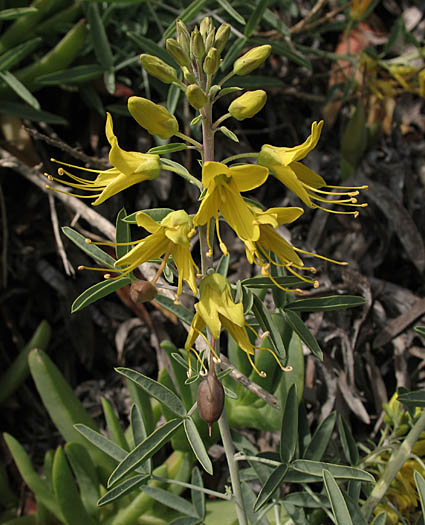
pixel 223 194
pixel 269 241
pixel 216 310
pixel 130 167
pixel 304 182
pixel 169 237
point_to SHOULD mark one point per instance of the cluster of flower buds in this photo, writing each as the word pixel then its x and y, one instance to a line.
pixel 198 54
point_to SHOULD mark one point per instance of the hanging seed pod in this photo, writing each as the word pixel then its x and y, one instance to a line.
pixel 142 291
pixel 210 399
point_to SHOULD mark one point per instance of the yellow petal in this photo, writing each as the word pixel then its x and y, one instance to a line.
pixel 288 177
pixel 212 169
pixel 177 226
pixel 239 334
pixel 152 247
pixel 271 241
pixel 185 267
pixel 286 215
pixel 308 176
pixel 249 176
pixel 208 208
pixel 118 183
pixel 237 214
pixel 198 324
pixel 145 221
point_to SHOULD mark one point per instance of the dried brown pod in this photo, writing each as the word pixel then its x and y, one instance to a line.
pixel 210 399
pixel 142 291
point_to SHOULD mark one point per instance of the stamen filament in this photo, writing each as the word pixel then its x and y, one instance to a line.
pixel 98 243
pixel 162 265
pixel 315 283
pixel 71 184
pixel 204 337
pixel 223 247
pixel 73 166
pixel 316 190
pixel 84 182
pixel 72 194
pixel 261 374
pixel 365 187
pixel 335 201
pixel 96 269
pixel 343 263
pixel 283 368
pixel 355 213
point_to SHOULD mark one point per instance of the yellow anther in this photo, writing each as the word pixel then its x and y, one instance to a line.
pixel 316 284
pixel 87 240
pixel 263 374
pixel 203 373
pixel 217 360
pixel 80 268
pixel 107 276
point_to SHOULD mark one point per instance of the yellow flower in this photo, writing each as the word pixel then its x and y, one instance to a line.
pixel 130 168
pixel 304 182
pixel 216 309
pixel 169 237
pixel 223 186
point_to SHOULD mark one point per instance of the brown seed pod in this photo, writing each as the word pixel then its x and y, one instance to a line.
pixel 210 399
pixel 142 291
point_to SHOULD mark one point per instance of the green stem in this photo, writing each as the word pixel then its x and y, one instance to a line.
pixel 195 487
pixel 240 156
pixel 226 78
pixel 221 119
pixel 393 467
pixel 233 468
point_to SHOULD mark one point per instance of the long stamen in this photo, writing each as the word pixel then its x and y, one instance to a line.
pixel 355 213
pixel 198 357
pixel 262 373
pixel 71 184
pixel 162 265
pixel 316 190
pixel 292 290
pixel 204 337
pixel 84 182
pixel 73 166
pixel 73 194
pixel 283 368
pixel 210 250
pixel 336 201
pixel 365 187
pixel 314 282
pixel 96 269
pixel 342 263
pixel 223 247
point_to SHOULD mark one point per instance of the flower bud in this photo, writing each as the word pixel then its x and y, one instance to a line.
pixel 221 37
pixel 142 291
pixel 158 68
pixel 183 36
pixel 188 76
pixel 153 117
pixel 210 399
pixel 209 40
pixel 196 96
pixel 205 27
pixel 251 60
pixel 248 104
pixel 197 47
pixel 211 61
pixel 177 52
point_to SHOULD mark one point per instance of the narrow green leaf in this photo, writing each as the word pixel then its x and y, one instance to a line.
pixel 320 440
pixel 197 445
pixel 19 89
pixel 336 498
pixel 29 113
pixel 92 250
pixel 186 15
pixel 381 518
pixel 113 425
pixel 347 441
pixel 98 291
pixel 156 390
pixel 256 17
pixel 232 12
pixel 283 49
pixel 420 485
pixel 266 282
pixel 305 500
pixel 198 497
pixel 276 22
pixel 149 46
pixel 266 322
pixel 182 313
pixel 101 45
pixel 300 328
pixel 229 134
pixel 289 428
pixel 145 450
pixel 415 398
pixel 85 473
pixel 122 234
pixel 223 265
pixel 186 520
pixel 124 488
pixel 66 491
pixel 13 56
pixel 101 442
pixel 272 483
pixel 420 330
pixel 16 12
pixel 157 214
pixel 137 425
pixel 316 468
pixel 325 304
pixel 63 406
pixel 171 500
pixel 37 485
pixel 172 147
pixel 72 75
